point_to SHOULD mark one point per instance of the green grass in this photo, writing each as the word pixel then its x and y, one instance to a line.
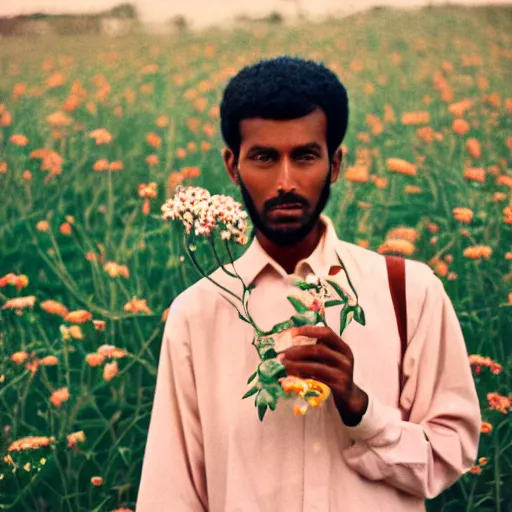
pixel 400 53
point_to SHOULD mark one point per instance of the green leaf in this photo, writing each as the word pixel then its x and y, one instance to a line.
pixel 304 286
pixel 270 369
pixel 330 303
pixel 243 318
pixel 252 377
pixel 281 326
pixel 269 353
pixel 343 319
pixel 265 398
pixel 307 318
pixel 251 392
pixel 359 315
pixel 298 305
pixel 262 409
pixel 338 289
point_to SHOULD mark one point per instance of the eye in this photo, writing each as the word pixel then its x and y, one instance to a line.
pixel 261 158
pixel 307 157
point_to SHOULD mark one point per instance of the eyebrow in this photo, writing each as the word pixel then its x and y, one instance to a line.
pixel 302 147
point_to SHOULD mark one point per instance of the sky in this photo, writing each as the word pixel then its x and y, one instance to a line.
pixel 208 12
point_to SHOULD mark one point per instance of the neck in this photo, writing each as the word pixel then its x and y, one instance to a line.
pixel 289 256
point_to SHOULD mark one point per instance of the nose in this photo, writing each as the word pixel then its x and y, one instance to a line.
pixel 285 181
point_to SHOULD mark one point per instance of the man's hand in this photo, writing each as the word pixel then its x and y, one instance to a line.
pixel 329 361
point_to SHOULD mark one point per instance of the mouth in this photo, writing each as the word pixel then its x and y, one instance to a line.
pixel 287 206
pixel 286 213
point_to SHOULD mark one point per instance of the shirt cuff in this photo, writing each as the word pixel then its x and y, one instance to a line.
pixel 379 423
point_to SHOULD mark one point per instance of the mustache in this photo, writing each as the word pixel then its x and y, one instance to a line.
pixel 288 198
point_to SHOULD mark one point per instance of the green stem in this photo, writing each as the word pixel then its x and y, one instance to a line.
pixel 198 268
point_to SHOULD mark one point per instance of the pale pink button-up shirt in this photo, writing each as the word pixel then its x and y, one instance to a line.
pixel 207 449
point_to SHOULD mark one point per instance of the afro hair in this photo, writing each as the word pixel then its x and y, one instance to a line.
pixel 284 88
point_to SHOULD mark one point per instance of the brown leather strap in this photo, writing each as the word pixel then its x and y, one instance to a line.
pixel 396 278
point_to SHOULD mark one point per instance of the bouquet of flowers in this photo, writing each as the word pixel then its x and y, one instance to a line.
pixel 218 219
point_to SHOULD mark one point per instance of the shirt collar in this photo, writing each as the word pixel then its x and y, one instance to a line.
pixel 255 259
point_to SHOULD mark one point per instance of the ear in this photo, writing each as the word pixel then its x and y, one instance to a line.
pixel 337 159
pixel 230 164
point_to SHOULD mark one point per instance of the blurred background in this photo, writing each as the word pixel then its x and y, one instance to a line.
pixel 106 107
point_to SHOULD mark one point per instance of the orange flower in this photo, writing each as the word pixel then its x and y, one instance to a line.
pixel 474 148
pixel 401 166
pixel 55 80
pixel 27 175
pixel 380 181
pixel 485 427
pixel 49 361
pixel 59 396
pixel 162 121
pixel 20 303
pixel 116 166
pixel 99 325
pixel 59 119
pixel 477 252
pixel 209 129
pixel 79 316
pixel 65 228
pixel 76 437
pixel 101 165
pixel 19 281
pixel 193 124
pixel 357 173
pixel 458 109
pixel 30 443
pixel 476 470
pixel 363 243
pixel 181 153
pixel 114 270
pixel 152 160
pixel 94 359
pixel 3 167
pixel 147 190
pixel 19 357
pixel 482 461
pixel 110 370
pixel 413 118
pixel 475 174
pixel 205 145
pixel 463 214
pixel 403 233
pixel 499 402
pixel 76 332
pixel 504 180
pixel 137 306
pixel 101 136
pixel 460 126
pixel 19 140
pixel 54 307
pixel 97 481
pixel 499 196
pixel 399 246
pixel 165 314
pixel 153 140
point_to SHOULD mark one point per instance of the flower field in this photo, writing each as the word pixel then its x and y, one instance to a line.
pixel 95 134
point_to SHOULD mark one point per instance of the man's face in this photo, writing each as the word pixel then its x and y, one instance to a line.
pixel 284 174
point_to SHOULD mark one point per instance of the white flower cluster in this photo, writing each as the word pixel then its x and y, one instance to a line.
pixel 321 292
pixel 204 213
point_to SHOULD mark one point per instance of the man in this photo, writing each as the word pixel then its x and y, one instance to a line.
pixel 375 445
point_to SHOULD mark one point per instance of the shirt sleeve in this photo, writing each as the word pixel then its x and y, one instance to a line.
pixel 428 453
pixel 173 474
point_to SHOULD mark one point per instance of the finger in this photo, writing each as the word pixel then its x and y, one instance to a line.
pixel 313 370
pixel 325 336
pixel 319 353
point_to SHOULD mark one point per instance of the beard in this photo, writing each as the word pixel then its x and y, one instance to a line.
pixel 286 236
